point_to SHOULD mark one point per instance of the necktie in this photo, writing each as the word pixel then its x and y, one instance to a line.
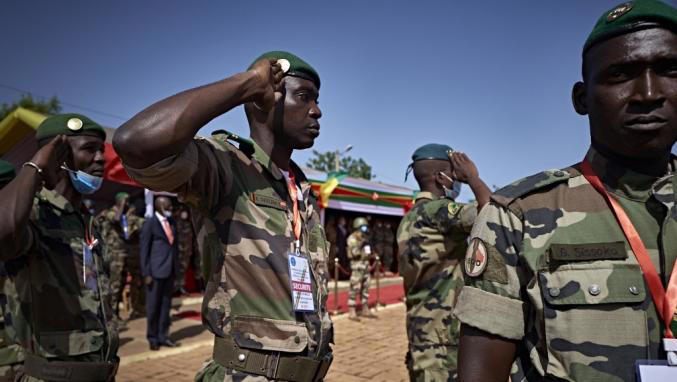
pixel 168 231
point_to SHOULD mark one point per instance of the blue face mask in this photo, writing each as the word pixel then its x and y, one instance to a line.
pixel 455 190
pixel 82 182
pixel 364 229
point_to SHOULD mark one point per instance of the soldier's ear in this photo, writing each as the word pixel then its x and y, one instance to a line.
pixel 579 96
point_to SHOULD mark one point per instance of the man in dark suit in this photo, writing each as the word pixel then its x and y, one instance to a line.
pixel 159 259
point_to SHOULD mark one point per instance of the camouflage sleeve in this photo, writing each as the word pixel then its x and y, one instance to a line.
pixel 201 171
pixel 490 299
pixel 467 216
pixel 454 216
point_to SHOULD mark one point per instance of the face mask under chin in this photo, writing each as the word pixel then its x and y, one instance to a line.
pixel 83 182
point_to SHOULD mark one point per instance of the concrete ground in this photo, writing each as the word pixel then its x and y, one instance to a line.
pixel 368 350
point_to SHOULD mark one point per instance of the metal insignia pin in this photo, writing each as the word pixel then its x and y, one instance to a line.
pixel 74 124
pixel 619 11
pixel 284 64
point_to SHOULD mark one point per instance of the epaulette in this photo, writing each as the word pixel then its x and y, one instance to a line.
pixel 245 145
pixel 524 186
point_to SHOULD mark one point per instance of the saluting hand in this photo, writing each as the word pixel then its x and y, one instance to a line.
pixel 270 76
pixel 50 157
pixel 464 168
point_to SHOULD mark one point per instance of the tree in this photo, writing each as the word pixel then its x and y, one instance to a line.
pixel 50 106
pixel 326 162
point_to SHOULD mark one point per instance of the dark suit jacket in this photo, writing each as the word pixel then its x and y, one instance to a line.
pixel 159 259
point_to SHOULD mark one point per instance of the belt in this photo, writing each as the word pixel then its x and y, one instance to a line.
pixel 41 368
pixel 271 364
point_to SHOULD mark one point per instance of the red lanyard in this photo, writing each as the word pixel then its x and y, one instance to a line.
pixel 90 240
pixel 665 302
pixel 291 185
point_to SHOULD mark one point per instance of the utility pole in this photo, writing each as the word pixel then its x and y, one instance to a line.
pixel 338 156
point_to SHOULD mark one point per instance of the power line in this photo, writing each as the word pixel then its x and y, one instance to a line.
pixel 89 109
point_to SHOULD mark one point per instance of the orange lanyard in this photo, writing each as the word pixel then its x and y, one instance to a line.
pixel 665 302
pixel 291 185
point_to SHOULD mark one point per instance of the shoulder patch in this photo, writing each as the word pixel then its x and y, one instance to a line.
pixel 509 193
pixel 476 258
pixel 223 137
pixel 453 208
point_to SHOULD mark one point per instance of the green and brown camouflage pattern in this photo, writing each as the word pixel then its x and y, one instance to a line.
pixel 62 317
pixel 384 240
pixel 13 320
pixel 561 278
pixel 186 237
pixel 432 243
pixel 241 205
pixel 119 249
pixel 359 267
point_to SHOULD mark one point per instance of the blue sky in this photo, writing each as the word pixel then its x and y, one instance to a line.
pixel 491 78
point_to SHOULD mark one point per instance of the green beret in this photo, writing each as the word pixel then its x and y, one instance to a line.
pixel 431 151
pixel 69 124
pixel 297 67
pixel 630 17
pixel 121 195
pixel 7 173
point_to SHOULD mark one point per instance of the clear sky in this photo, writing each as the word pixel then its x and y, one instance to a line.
pixel 491 78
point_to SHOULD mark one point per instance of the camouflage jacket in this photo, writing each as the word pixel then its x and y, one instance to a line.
pixel 549 266
pixel 112 232
pixel 432 241
pixel 184 229
pixel 13 320
pixel 242 207
pixel 358 247
pixel 63 316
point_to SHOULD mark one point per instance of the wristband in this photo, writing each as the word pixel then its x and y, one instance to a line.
pixel 35 166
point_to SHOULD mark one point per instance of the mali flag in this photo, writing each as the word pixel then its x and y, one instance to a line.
pixel 333 180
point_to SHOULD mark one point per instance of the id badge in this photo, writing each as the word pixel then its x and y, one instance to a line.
pixel 367 249
pixel 301 284
pixel 649 370
pixel 89 268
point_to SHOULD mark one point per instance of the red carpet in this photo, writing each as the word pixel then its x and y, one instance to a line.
pixel 389 295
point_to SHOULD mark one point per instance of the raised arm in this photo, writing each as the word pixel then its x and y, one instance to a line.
pixel 166 127
pixel 466 172
pixel 16 199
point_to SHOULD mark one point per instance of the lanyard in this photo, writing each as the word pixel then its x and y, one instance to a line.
pixel 296 222
pixel 665 302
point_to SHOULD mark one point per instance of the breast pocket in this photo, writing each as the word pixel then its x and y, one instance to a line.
pixel 594 317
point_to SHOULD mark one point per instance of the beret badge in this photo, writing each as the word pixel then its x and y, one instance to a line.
pixel 619 11
pixel 74 124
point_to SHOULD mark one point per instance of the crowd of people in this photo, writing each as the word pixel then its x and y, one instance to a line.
pixel 567 274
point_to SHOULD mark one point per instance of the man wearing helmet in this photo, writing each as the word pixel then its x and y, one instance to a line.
pixel 359 253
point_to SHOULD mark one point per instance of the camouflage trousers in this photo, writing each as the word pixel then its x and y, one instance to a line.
pixel 8 372
pixel 432 362
pixel 359 282
pixel 137 290
pixel 184 262
pixel 118 277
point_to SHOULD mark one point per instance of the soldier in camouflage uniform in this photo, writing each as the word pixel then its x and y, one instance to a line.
pixel 550 277
pixel 260 233
pixel 120 228
pixel 11 354
pixel 432 241
pixel 187 248
pixel 386 252
pixel 56 257
pixel 359 252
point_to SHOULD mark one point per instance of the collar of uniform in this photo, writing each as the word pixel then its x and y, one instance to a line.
pixel 266 162
pixel 425 195
pixel 622 181
pixel 57 200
